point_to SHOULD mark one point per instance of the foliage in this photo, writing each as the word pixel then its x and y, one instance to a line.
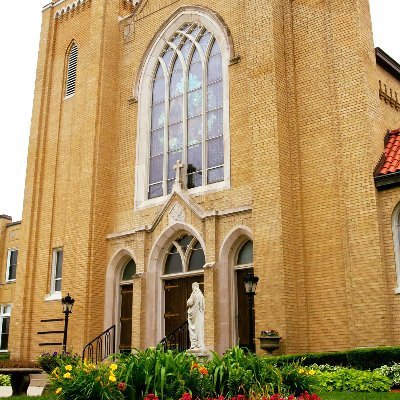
pixel 158 374
pixel 346 379
pixel 50 360
pixel 269 333
pixel 359 396
pixel 5 380
pixel 88 381
pixel 18 364
pixel 392 372
pixel 363 359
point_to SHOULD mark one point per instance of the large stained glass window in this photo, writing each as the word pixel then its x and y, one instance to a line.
pixel 187 111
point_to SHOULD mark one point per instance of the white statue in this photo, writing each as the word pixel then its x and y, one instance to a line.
pixel 195 305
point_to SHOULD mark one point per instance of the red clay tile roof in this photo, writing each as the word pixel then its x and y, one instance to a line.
pixel 392 154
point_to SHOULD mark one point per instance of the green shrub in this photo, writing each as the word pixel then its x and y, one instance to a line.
pixel 392 372
pixel 346 379
pixel 88 381
pixel 50 360
pixel 5 380
pixel 363 359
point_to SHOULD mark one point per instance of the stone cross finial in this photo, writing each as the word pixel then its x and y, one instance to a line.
pixel 178 178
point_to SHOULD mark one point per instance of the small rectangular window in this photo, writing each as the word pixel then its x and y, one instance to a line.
pixel 12 259
pixel 5 314
pixel 57 270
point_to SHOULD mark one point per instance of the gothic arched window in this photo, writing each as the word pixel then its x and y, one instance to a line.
pixel 71 70
pixel 187 121
pixel 185 255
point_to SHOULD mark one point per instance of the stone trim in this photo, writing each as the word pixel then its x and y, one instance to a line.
pixel 69 8
pixel 197 210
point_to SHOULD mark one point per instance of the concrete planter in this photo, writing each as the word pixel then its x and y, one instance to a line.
pixel 269 343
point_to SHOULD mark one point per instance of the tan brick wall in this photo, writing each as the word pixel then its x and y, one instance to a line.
pixel 306 131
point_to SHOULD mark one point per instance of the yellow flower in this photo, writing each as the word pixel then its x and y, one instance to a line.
pixel 113 367
pixel 312 372
pixel 58 391
pixel 112 378
pixel 67 375
pixel 301 371
pixel 68 367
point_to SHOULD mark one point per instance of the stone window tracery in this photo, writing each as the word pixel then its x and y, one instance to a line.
pixel 184 255
pixel 187 111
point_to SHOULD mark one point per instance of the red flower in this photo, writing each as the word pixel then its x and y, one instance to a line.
pixel 186 396
pixel 121 386
pixel 151 396
pixel 241 397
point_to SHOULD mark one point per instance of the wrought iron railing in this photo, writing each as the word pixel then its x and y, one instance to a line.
pixel 101 347
pixel 177 339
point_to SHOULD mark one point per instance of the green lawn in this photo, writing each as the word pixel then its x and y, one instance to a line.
pixel 359 396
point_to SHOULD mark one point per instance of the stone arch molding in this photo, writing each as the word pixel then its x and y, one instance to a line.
pixel 143 91
pixel 69 8
pixel 212 20
pixel 396 243
pixel 226 304
pixel 153 323
pixel 113 272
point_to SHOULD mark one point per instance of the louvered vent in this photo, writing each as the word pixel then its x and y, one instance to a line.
pixel 71 71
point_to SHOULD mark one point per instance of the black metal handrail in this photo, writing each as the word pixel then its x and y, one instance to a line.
pixel 100 347
pixel 177 339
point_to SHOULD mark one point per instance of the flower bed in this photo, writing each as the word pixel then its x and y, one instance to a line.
pixel 155 374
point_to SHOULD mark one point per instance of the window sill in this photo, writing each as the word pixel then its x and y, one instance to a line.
pixel 10 281
pixel 53 296
pixel 69 97
pixel 198 191
pixel 397 290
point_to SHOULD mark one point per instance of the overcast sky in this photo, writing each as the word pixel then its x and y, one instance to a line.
pixel 20 40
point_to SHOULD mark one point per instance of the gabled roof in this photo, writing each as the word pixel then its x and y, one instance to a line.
pixel 387 172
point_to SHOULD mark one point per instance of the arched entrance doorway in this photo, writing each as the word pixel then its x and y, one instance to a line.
pixel 183 266
pixel 243 265
pixel 125 306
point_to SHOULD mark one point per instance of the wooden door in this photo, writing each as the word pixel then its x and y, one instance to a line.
pixel 125 338
pixel 243 317
pixel 177 292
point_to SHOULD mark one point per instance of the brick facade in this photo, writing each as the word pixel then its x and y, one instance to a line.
pixel 306 129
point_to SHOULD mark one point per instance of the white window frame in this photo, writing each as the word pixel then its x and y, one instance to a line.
pixel 2 315
pixel 53 291
pixel 145 86
pixel 9 264
pixel 396 244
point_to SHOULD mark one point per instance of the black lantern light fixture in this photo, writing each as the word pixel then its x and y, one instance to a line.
pixel 250 283
pixel 67 304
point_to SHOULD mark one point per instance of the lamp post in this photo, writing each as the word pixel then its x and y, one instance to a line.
pixel 67 303
pixel 250 283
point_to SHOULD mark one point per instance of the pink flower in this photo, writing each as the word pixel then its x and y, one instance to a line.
pixel 121 386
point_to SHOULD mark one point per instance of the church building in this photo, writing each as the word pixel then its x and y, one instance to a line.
pixel 176 142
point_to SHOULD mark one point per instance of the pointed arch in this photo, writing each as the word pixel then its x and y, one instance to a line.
pixel 183 112
pixel 71 69
pixel 112 279
pixel 396 244
pixel 154 290
pixel 230 247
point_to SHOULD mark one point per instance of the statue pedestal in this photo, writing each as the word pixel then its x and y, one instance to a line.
pixel 201 354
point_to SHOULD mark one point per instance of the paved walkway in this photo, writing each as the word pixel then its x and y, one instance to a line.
pixel 6 391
